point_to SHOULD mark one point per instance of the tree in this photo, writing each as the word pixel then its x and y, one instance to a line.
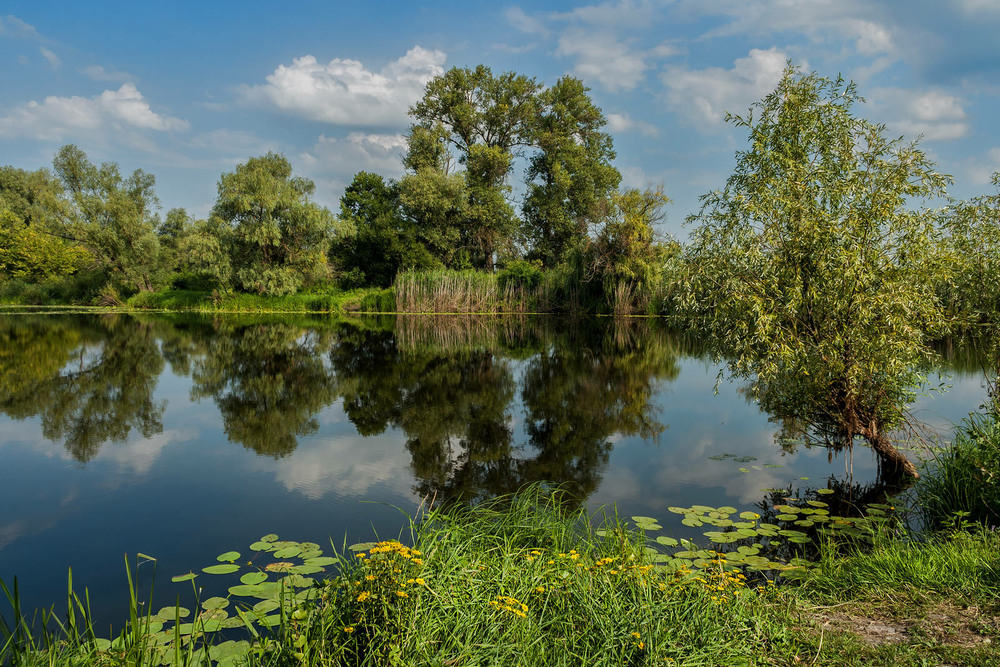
pixel 111 216
pixel 28 252
pixel 570 178
pixel 487 119
pixel 278 237
pixel 812 266
pixel 382 241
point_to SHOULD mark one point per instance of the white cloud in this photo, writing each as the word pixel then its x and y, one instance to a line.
pixel 11 25
pixel 529 25
pixel 56 118
pixel 704 96
pixel 53 59
pixel 344 92
pixel 98 73
pixel 621 122
pixel 381 153
pixel 934 114
pixel 602 57
pixel 981 170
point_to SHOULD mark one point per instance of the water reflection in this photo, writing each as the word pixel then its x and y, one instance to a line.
pixel 483 406
pixel 91 382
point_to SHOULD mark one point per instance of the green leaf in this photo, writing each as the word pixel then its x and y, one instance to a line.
pixel 228 557
pixel 183 577
pixel 225 568
pixel 252 578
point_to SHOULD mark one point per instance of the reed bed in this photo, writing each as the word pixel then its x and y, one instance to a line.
pixel 444 291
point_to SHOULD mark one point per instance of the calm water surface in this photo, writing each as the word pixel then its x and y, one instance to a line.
pixel 184 437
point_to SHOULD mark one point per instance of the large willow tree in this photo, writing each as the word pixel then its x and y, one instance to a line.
pixel 813 266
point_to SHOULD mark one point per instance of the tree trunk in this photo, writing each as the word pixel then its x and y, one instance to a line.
pixel 892 460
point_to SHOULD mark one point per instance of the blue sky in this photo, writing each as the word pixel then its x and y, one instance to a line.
pixel 187 90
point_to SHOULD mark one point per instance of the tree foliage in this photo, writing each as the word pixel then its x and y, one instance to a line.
pixel 570 177
pixel 812 266
pixel 112 216
pixel 276 236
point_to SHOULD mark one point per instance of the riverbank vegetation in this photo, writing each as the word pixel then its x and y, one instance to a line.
pixel 526 580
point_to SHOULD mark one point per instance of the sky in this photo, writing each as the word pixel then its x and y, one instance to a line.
pixel 186 91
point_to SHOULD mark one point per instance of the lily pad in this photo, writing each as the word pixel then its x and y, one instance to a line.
pixel 667 541
pixel 173 613
pixel 322 561
pixel 251 578
pixel 224 568
pixel 215 603
pixel 261 546
pixel 183 577
pixel 269 538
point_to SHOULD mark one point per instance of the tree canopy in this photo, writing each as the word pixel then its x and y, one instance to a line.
pixel 812 265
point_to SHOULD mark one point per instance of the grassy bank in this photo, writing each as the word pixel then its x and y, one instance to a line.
pixel 523 581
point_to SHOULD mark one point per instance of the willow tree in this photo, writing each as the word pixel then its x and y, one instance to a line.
pixel 814 267
pixel 276 235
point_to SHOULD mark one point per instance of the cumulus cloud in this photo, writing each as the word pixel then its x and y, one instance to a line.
pixel 981 170
pixel 603 58
pixel 344 92
pixel 529 25
pixel 381 153
pixel 56 118
pixel 934 114
pixel 704 96
pixel 621 122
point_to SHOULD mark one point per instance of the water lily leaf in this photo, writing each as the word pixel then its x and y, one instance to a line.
pixel 261 546
pixel 679 510
pixel 805 523
pixel 743 470
pixel 691 520
pixel 247 590
pixel 745 459
pixel 322 561
pixel 824 491
pixel 287 552
pixel 786 517
pixel 788 532
pixel 299 581
pixel 773 465
pixel 215 603
pixel 361 546
pixel 805 479
pixel 749 516
pixel 233 622
pixel 251 578
pixel 705 509
pixel 183 577
pixel 173 613
pixel 644 519
pixel 269 538
pixel 800 540
pixel 270 621
pixel 224 568
pixel 817 503
pixel 749 551
pixel 746 532
pixel 284 544
pixel 649 526
pixel 666 541
pixel 726 509
pixel 228 557
pixel 265 606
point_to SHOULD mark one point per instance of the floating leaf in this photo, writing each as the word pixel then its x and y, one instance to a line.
pixel 817 503
pixel 726 509
pixel 773 465
pixel 215 603
pixel 261 546
pixel 183 577
pixel 173 613
pixel 743 470
pixel 690 520
pixel 746 459
pixel 306 569
pixel 666 541
pixel 251 578
pixel 224 568
pixel 787 517
pixel 323 561
pixel 248 590
pixel 644 519
pixel 361 546
pixel 824 491
pixel 269 538
pixel 265 606
pixel 288 552
pixel 228 557
pixel 800 539
pixel 679 510
pixel 749 516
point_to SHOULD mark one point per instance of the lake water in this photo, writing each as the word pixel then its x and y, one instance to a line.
pixel 183 437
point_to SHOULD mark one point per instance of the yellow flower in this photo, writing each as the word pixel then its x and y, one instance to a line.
pixel 349 629
pixel 370 577
pixel 540 589
pixel 364 596
pixel 402 594
pixel 420 581
pixel 636 635
pixel 641 645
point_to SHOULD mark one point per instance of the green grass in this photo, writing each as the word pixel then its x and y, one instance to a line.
pixel 964 479
pixel 333 301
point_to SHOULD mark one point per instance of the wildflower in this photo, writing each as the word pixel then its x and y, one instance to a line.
pixel 540 589
pixel 349 629
pixel 636 635
pixel 402 594
pixel 364 596
pixel 641 645
pixel 361 555
pixel 420 581
pixel 370 577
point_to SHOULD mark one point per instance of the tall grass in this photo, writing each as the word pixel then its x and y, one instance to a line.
pixel 443 291
pixel 962 482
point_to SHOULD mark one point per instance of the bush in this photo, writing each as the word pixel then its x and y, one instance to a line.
pixel 520 273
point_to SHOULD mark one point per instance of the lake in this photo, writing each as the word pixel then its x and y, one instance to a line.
pixel 183 437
